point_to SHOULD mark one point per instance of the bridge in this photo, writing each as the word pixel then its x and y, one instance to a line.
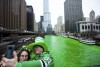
pixel 8 33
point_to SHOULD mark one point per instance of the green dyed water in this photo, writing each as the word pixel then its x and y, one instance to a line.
pixel 71 53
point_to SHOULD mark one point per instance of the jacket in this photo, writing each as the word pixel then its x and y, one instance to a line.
pixel 43 59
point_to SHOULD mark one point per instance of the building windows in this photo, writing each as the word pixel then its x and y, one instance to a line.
pixel 88 27
pixel 99 27
pixel 82 27
pixel 85 26
pixel 72 13
pixel 94 27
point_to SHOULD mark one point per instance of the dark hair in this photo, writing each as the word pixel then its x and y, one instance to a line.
pixel 19 54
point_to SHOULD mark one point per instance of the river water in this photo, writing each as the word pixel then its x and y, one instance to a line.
pixel 71 53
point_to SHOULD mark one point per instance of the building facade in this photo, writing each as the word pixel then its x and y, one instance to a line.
pixel 87 28
pixel 36 28
pixel 63 28
pixel 40 27
pixel 47 17
pixel 97 19
pixel 30 18
pixel 59 24
pixel 73 13
pixel 23 15
pixel 92 16
pixel 55 28
pixel 59 27
pixel 13 14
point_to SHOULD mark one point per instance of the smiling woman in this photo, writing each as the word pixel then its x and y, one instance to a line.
pixel 23 55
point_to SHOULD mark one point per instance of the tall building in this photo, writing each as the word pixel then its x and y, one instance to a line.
pixel 30 18
pixel 63 28
pixel 40 27
pixel 59 23
pixel 1 14
pixel 55 28
pixel 13 14
pixel 73 13
pixel 92 16
pixel 23 15
pixel 59 27
pixel 47 19
pixel 36 24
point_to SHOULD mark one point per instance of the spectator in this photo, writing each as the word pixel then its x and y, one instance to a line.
pixel 23 55
pixel 41 57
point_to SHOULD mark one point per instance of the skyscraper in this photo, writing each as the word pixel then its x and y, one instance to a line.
pixel 59 28
pixel 73 13
pixel 59 24
pixel 92 16
pixel 40 24
pixel 30 18
pixel 47 18
pixel 13 14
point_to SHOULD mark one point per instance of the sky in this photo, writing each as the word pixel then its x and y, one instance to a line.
pixel 56 8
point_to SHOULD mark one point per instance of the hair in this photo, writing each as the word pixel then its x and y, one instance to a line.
pixel 19 54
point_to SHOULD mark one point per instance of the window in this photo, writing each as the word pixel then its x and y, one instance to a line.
pixel 85 26
pixel 82 27
pixel 94 27
pixel 88 27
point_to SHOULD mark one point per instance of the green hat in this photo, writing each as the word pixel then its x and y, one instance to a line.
pixel 39 41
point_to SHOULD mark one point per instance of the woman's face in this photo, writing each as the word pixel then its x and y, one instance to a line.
pixel 38 49
pixel 24 56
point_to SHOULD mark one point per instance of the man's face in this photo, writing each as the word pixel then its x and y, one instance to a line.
pixel 24 56
pixel 38 49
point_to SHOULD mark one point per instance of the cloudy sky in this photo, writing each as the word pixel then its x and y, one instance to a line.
pixel 56 8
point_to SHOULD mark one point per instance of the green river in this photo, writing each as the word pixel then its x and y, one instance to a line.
pixel 68 52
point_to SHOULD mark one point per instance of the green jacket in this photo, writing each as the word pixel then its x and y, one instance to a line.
pixel 42 60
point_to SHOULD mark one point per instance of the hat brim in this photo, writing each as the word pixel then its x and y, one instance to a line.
pixel 31 46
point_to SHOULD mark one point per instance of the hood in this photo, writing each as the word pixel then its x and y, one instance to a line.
pixel 38 41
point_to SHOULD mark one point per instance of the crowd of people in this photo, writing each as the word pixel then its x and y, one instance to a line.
pixel 33 55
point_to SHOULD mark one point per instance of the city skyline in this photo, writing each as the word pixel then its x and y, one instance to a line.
pixel 57 8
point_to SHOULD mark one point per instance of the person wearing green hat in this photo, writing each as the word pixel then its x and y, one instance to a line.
pixel 40 56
